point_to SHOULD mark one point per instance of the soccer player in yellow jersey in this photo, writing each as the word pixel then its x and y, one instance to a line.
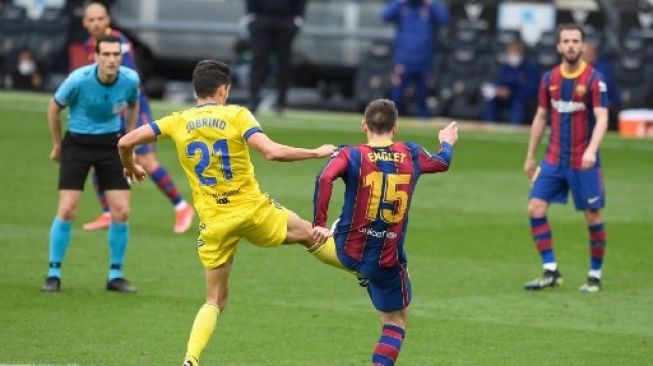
pixel 212 141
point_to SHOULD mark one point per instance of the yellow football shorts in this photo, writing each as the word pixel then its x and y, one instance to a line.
pixel 264 223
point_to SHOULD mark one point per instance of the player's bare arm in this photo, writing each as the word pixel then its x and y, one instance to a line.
pixel 278 152
pixel 54 123
pixel 537 131
pixel 589 156
pixel 132 116
pixel 126 145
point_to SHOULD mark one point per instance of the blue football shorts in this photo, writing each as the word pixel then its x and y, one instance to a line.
pixel 552 184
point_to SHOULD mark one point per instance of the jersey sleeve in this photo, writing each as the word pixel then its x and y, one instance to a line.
pixel 247 123
pixel 599 90
pixel 135 91
pixel 334 168
pixel 434 163
pixel 67 92
pixel 165 126
pixel 543 96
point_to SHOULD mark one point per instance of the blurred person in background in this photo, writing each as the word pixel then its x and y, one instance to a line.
pixel 416 23
pixel 25 74
pixel 603 65
pixel 97 22
pixel 515 86
pixel 273 25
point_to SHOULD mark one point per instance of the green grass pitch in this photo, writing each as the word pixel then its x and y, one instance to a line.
pixel 469 250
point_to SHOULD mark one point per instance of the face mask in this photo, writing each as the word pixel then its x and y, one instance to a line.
pixel 26 67
pixel 514 59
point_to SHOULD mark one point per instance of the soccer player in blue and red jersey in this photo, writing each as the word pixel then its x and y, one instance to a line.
pixel 575 96
pixel 97 21
pixel 380 177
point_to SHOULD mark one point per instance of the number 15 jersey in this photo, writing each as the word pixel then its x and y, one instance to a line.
pixel 379 184
pixel 211 143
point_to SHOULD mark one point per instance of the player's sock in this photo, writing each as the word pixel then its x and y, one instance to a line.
pixel 164 181
pixel 203 327
pixel 597 249
pixel 118 235
pixel 326 253
pixel 543 241
pixel 59 240
pixel 387 350
pixel 100 195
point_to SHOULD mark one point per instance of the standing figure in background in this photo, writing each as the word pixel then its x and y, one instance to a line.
pixel 274 24
pixel 515 86
pixel 25 75
pixel 97 21
pixel 416 22
pixel 575 95
pixel 96 96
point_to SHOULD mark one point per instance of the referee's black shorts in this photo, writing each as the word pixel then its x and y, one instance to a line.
pixel 80 152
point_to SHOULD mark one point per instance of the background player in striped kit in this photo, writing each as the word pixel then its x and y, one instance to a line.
pixel 380 177
pixel 576 96
pixel 97 21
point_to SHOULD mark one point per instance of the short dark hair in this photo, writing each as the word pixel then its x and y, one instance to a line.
pixel 569 26
pixel 381 116
pixel 210 75
pixel 105 39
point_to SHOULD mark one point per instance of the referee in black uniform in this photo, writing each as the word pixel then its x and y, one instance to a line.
pixel 273 28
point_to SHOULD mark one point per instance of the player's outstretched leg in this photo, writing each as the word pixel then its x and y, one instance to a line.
pixel 118 238
pixel 60 237
pixel 597 244
pixel 543 238
pixel 387 349
pixel 184 213
pixel 217 284
pixel 300 231
pixel 102 221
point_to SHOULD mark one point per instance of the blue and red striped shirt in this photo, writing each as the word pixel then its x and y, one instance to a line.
pixel 379 181
pixel 571 98
pixel 126 48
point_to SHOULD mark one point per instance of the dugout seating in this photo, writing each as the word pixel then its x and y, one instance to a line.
pixel 373 80
pixel 14 30
pixel 633 75
pixel 48 37
pixel 460 90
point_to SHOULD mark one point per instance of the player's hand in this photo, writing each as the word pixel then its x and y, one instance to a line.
pixel 449 134
pixel 589 159
pixel 321 234
pixel 324 151
pixel 529 167
pixel 55 154
pixel 135 173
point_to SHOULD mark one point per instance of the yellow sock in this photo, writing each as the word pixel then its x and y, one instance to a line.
pixel 205 322
pixel 326 253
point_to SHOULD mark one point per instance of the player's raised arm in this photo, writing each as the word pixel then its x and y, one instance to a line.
pixel 278 152
pixel 54 124
pixel 126 144
pixel 335 168
pixel 439 162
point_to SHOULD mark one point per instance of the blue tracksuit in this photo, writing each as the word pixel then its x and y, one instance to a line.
pixel 523 83
pixel 414 46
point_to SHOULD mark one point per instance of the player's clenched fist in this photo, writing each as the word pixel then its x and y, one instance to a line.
pixel 325 150
pixel 449 134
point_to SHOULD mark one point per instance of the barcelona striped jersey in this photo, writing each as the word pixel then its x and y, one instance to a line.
pixel 379 181
pixel 570 99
